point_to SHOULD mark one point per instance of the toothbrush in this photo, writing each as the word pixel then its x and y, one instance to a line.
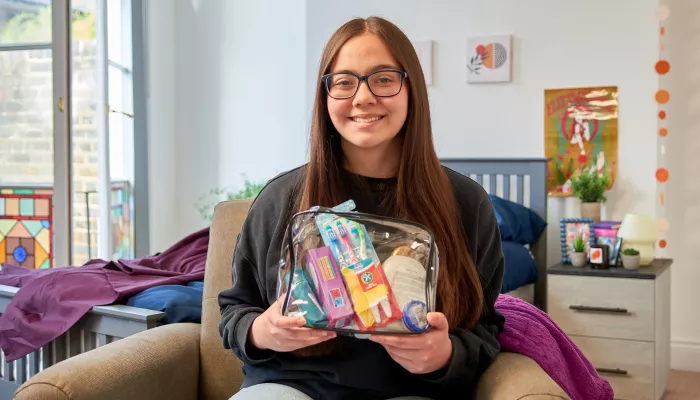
pixel 335 246
pixel 346 240
pixel 359 238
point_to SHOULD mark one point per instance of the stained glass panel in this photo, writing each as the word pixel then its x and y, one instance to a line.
pixel 121 215
pixel 25 227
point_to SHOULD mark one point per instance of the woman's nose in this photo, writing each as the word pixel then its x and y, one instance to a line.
pixel 363 96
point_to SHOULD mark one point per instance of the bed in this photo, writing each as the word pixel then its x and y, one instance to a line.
pixel 516 182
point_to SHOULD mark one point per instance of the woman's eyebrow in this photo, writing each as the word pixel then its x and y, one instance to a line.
pixel 373 69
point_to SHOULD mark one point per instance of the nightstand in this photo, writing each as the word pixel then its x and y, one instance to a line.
pixel 621 321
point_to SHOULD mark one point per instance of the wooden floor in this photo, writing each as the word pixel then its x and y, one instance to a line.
pixel 683 385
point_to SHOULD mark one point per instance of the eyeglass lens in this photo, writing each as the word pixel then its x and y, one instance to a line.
pixel 382 83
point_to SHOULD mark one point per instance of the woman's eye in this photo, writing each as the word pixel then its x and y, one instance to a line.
pixel 343 83
pixel 383 80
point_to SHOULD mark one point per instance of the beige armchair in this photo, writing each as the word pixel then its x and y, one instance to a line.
pixel 188 361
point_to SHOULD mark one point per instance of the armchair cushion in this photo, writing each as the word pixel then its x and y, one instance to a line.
pixel 160 363
pixel 514 376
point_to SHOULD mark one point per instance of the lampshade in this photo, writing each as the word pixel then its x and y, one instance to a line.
pixel 639 232
pixel 638 228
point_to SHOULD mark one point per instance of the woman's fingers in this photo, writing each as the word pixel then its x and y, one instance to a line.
pixel 404 342
pixel 286 322
pixel 303 333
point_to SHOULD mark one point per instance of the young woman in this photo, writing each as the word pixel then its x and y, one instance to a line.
pixel 371 141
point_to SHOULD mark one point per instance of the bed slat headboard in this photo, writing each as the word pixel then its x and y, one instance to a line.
pixel 522 181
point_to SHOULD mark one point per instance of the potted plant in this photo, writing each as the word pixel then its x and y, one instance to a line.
pixel 630 258
pixel 206 204
pixel 590 186
pixel 578 255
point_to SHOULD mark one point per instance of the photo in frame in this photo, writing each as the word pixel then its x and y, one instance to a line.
pixel 614 244
pixel 599 255
pixel 569 229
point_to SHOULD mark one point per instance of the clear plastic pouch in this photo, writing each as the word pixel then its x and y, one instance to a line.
pixel 357 273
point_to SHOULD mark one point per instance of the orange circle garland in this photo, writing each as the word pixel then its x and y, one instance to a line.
pixel 662 67
pixel 662 175
pixel 663 132
pixel 662 96
pixel 662 114
pixel 662 244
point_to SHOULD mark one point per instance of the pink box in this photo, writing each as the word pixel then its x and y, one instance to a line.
pixel 330 288
pixel 601 232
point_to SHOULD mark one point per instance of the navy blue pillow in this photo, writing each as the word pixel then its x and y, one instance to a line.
pixel 519 269
pixel 181 303
pixel 517 222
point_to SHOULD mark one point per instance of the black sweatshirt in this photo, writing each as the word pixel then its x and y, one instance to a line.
pixel 362 368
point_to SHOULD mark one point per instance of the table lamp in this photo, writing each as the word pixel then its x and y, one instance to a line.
pixel 639 232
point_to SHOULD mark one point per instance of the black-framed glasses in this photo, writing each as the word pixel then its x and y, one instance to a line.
pixel 344 85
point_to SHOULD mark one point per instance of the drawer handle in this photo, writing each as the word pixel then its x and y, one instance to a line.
pixel 616 371
pixel 600 309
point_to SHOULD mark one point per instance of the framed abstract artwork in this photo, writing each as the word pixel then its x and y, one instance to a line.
pixel 570 228
pixel 25 227
pixel 424 50
pixel 489 59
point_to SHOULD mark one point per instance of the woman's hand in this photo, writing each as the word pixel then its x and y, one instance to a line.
pixel 423 353
pixel 273 331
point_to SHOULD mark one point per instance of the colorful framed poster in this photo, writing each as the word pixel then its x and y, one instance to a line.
pixel 26 233
pixel 580 130
pixel 569 229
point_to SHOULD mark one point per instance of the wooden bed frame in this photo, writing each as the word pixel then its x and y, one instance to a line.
pixel 523 181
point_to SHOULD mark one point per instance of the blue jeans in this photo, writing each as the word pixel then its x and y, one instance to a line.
pixel 275 391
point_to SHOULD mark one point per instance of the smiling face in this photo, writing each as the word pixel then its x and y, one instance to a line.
pixel 365 121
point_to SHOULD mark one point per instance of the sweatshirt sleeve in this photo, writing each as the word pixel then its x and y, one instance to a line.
pixel 241 304
pixel 473 350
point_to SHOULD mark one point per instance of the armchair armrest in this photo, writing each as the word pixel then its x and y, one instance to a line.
pixel 160 363
pixel 515 376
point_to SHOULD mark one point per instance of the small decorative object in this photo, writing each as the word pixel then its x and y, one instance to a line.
pixel 640 232
pixel 589 186
pixel 606 228
pixel 599 256
pixel 580 128
pixel 578 254
pixel 489 59
pixel 569 229
pixel 424 49
pixel 614 244
pixel 630 258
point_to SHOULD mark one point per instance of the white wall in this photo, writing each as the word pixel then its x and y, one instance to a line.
pixel 555 45
pixel 160 77
pixel 263 120
pixel 683 163
pixel 226 82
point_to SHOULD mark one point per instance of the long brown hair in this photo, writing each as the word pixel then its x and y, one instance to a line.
pixel 424 193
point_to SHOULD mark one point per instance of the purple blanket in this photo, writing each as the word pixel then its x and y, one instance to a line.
pixel 50 301
pixel 530 332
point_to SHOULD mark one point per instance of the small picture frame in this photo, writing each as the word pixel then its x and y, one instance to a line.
pixel 614 244
pixel 569 228
pixel 599 256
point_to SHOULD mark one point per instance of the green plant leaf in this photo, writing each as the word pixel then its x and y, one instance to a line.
pixel 589 186
pixel 205 206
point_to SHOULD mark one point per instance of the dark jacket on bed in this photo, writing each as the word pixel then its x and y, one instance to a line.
pixel 362 369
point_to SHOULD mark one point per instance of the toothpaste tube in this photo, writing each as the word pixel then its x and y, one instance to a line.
pixel 302 302
pixel 330 288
